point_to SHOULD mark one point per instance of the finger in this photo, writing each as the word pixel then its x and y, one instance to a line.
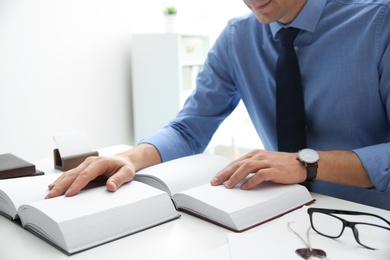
pixel 250 155
pixel 224 175
pixel 124 175
pixel 255 179
pixel 88 174
pixel 51 185
pixel 247 167
pixel 59 186
pixel 70 173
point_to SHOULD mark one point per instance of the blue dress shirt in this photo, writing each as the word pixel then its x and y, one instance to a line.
pixel 344 56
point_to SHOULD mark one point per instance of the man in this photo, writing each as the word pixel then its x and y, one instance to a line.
pixel 344 58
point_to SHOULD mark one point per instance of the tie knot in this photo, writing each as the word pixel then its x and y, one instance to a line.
pixel 287 36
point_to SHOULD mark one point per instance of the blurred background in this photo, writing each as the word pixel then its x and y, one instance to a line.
pixel 65 65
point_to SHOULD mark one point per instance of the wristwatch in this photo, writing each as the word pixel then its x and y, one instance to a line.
pixel 309 158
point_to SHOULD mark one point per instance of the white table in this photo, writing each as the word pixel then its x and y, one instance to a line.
pixel 179 239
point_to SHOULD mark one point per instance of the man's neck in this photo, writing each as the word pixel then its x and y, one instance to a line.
pixel 293 13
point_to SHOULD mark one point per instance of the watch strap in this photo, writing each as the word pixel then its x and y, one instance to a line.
pixel 311 172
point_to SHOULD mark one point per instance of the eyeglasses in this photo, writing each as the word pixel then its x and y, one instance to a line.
pixel 370 231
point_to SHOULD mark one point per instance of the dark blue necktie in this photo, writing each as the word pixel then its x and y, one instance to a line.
pixel 290 111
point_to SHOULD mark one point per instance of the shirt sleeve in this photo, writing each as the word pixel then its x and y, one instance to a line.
pixel 214 98
pixel 376 161
pixel 376 158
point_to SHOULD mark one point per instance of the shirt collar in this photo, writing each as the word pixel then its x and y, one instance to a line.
pixel 307 18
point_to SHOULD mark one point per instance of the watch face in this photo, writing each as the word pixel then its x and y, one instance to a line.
pixel 308 155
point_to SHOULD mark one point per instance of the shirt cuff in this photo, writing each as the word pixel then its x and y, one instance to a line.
pixel 376 161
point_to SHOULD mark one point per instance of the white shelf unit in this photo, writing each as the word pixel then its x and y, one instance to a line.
pixel 164 68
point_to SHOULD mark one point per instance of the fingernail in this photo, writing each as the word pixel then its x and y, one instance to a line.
pixel 111 186
pixel 214 181
pixel 228 184
pixel 69 192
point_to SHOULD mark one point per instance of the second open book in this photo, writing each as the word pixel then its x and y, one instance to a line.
pixel 187 181
pixel 96 216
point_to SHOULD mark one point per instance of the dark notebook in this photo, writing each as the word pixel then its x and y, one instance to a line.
pixel 12 166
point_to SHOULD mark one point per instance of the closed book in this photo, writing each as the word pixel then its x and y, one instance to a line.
pixel 12 166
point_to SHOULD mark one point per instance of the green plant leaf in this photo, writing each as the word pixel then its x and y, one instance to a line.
pixel 170 10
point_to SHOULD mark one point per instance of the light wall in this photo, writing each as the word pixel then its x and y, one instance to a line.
pixel 65 66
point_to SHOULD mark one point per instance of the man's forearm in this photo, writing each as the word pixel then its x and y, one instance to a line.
pixel 342 167
pixel 142 156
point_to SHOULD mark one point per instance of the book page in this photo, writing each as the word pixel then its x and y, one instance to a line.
pixel 183 173
pixel 17 191
pixel 96 215
pixel 241 209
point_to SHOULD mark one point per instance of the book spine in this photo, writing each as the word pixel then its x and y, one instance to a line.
pixel 17 172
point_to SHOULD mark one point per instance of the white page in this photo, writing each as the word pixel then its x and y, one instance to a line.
pixel 186 172
pixel 243 208
pixel 235 199
pixel 95 216
pixel 94 200
pixel 276 241
pixel 27 189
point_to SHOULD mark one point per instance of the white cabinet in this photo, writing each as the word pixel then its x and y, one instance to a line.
pixel 164 68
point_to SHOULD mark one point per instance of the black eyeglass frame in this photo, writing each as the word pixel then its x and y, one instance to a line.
pixel 346 223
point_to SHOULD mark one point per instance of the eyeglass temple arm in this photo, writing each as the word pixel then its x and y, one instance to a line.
pixel 345 212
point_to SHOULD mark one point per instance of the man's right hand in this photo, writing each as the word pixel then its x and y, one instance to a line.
pixel 118 169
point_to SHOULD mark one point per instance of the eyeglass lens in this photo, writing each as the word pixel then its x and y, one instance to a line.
pixel 371 232
pixel 373 236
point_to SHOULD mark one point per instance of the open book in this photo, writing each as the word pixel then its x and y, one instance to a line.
pixel 93 217
pixel 187 181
